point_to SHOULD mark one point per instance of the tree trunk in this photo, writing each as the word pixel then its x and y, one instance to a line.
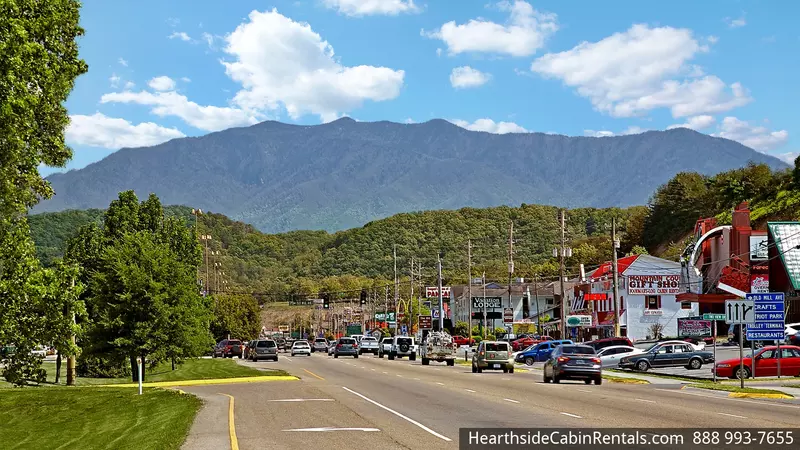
pixel 173 363
pixel 58 366
pixel 134 370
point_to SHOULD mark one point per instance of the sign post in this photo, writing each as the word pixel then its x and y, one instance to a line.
pixel 714 318
pixel 740 312
pixel 139 369
pixel 770 321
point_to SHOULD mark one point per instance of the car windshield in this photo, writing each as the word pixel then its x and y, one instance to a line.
pixel 301 344
pixel 497 347
pixel 347 341
pixel 404 341
pixel 234 342
pixel 577 350
pixel 263 344
pixel 321 340
pixel 368 339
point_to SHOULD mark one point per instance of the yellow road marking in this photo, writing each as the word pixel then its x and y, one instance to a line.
pixel 231 426
pixel 313 374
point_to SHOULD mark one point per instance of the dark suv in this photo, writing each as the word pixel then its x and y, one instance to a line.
pixel 228 348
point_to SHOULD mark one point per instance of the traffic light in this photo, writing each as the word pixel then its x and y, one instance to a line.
pixel 363 297
pixel 326 299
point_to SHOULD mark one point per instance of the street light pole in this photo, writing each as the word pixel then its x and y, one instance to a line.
pixel 441 299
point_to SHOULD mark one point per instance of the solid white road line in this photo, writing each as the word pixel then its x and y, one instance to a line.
pixel 643 400
pixel 408 419
pixel 386 373
pixel 416 379
pixel 732 415
pixel 372 370
pixel 440 384
pixel 304 400
pixel 510 400
pixel 772 404
pixel 469 390
pixel 399 375
pixel 333 429
pixel 583 390
pixel 572 415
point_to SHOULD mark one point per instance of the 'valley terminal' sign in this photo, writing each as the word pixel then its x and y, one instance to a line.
pixel 654 284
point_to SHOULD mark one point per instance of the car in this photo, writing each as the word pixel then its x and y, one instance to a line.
pixel 667 354
pixel 610 356
pixel 228 348
pixel 263 349
pixel 403 346
pixel 332 346
pixel 600 344
pixel 357 337
pixel 248 348
pixel 385 346
pixel 300 348
pixel 792 333
pixel 320 345
pixel 368 344
pixel 524 342
pixel 573 362
pixel 539 352
pixel 493 355
pixel 281 343
pixel 766 363
pixel 346 346
pixel 461 340
pixel 39 350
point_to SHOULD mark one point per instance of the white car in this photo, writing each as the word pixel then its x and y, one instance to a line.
pixel 40 350
pixel 610 356
pixel 301 348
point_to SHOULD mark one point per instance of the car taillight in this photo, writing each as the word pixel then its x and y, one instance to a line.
pixel 339 346
pixel 482 353
pixel 563 359
pixel 355 345
pixel 596 360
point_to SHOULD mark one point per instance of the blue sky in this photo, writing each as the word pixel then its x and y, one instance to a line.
pixel 160 70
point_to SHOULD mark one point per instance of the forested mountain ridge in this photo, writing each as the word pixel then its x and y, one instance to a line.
pixel 340 175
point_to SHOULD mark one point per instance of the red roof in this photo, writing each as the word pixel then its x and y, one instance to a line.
pixel 606 267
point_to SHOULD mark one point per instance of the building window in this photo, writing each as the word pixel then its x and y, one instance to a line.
pixel 652 302
pixel 621 303
pixel 686 305
pixel 550 301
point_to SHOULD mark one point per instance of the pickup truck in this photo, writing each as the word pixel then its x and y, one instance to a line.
pixel 385 347
pixel 439 347
pixel 368 345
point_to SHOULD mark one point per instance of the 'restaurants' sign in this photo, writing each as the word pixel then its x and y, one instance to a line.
pixel 654 284
pixel 433 292
pixel 490 302
pixel 694 328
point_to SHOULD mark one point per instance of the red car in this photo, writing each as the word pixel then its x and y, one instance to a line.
pixel 525 342
pixel 766 363
pixel 461 340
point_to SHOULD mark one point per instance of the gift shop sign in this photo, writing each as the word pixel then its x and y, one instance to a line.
pixel 654 284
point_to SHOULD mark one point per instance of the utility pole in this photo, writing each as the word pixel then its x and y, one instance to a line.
pixel 561 255
pixel 510 266
pixel 469 290
pixel 441 299
pixel 614 246
pixel 71 374
pixel 536 294
pixel 411 300
pixel 396 293
pixel 386 306
pixel 483 281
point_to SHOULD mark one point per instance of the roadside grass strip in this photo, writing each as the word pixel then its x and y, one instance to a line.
pixel 163 384
pixel 737 392
pixel 625 380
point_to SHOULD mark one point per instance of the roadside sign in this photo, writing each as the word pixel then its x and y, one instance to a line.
pixel 435 313
pixel 579 321
pixel 770 317
pixel 508 315
pixel 739 312
pixel 404 330
pixel 425 322
pixel 433 292
pixel 694 328
pixel 713 316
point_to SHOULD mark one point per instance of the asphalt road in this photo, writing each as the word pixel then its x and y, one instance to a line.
pixel 350 403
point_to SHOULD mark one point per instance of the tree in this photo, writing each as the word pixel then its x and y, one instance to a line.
pixel 235 315
pixel 38 66
pixel 637 250
pixel 796 173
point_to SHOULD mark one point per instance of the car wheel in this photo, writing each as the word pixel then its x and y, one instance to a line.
pixel 695 364
pixel 511 369
pixel 474 369
pixel 425 361
pixel 529 361
pixel 505 370
pixel 556 380
pixel 413 357
pixel 598 381
pixel 240 356
pixel 545 379
pixel 355 356
pixel 391 356
pixel 642 366
pixel 587 381
pixel 739 372
pixel 335 355
pixel 451 362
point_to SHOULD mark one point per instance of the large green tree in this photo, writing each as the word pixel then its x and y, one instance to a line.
pixel 38 66
pixel 237 316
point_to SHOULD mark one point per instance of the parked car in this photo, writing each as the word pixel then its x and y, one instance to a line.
pixel 600 344
pixel 264 349
pixel 461 340
pixel 669 354
pixel 610 356
pixel 301 348
pixel 228 348
pixel 792 333
pixel 493 355
pixel 385 346
pixel 766 363
pixel 39 350
pixel 357 337
pixel 346 346
pixel 523 342
pixel 573 362
pixel 332 346
pixel 403 346
pixel 320 345
pixel 368 344
pixel 539 352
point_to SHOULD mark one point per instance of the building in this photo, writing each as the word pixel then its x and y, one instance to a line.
pixel 529 302
pixel 648 291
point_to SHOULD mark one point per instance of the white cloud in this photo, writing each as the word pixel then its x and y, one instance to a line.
pixel 695 123
pixel 173 22
pixel 605 133
pixel 129 85
pixel 180 35
pixel 115 80
pixel 162 83
pixel 525 32
pixel 208 118
pixel 490 126
pixel 438 52
pixel 209 38
pixel 123 62
pixel 99 130
pixel 628 74
pixel 410 120
pixel 360 8
pixel 788 158
pixel 280 62
pixel 712 39
pixel 735 23
pixel 186 79
pixel 756 137
pixel 467 77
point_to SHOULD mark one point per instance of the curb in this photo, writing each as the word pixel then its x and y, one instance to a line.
pixel 258 379
pixel 749 395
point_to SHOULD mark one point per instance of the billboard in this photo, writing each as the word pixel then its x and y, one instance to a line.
pixel 759 284
pixel 490 302
pixel 694 328
pixel 654 284
pixel 758 248
pixel 425 322
pixel 433 292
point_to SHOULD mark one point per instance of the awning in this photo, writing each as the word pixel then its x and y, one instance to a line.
pixel 704 298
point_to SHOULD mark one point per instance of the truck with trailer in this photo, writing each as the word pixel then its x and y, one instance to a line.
pixel 439 347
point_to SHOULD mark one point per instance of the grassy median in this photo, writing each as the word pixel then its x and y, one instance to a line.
pixel 729 388
pixel 95 418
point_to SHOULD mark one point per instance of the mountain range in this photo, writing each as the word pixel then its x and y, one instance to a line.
pixel 343 174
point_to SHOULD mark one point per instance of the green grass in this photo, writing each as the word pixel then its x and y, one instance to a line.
pixel 727 388
pixel 192 369
pixel 658 375
pixel 95 418
pixel 627 380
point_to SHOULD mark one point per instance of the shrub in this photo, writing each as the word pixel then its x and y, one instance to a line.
pixel 477 339
pixel 491 337
pixel 97 367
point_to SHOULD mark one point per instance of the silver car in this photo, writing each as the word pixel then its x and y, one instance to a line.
pixel 320 345
pixel 263 349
